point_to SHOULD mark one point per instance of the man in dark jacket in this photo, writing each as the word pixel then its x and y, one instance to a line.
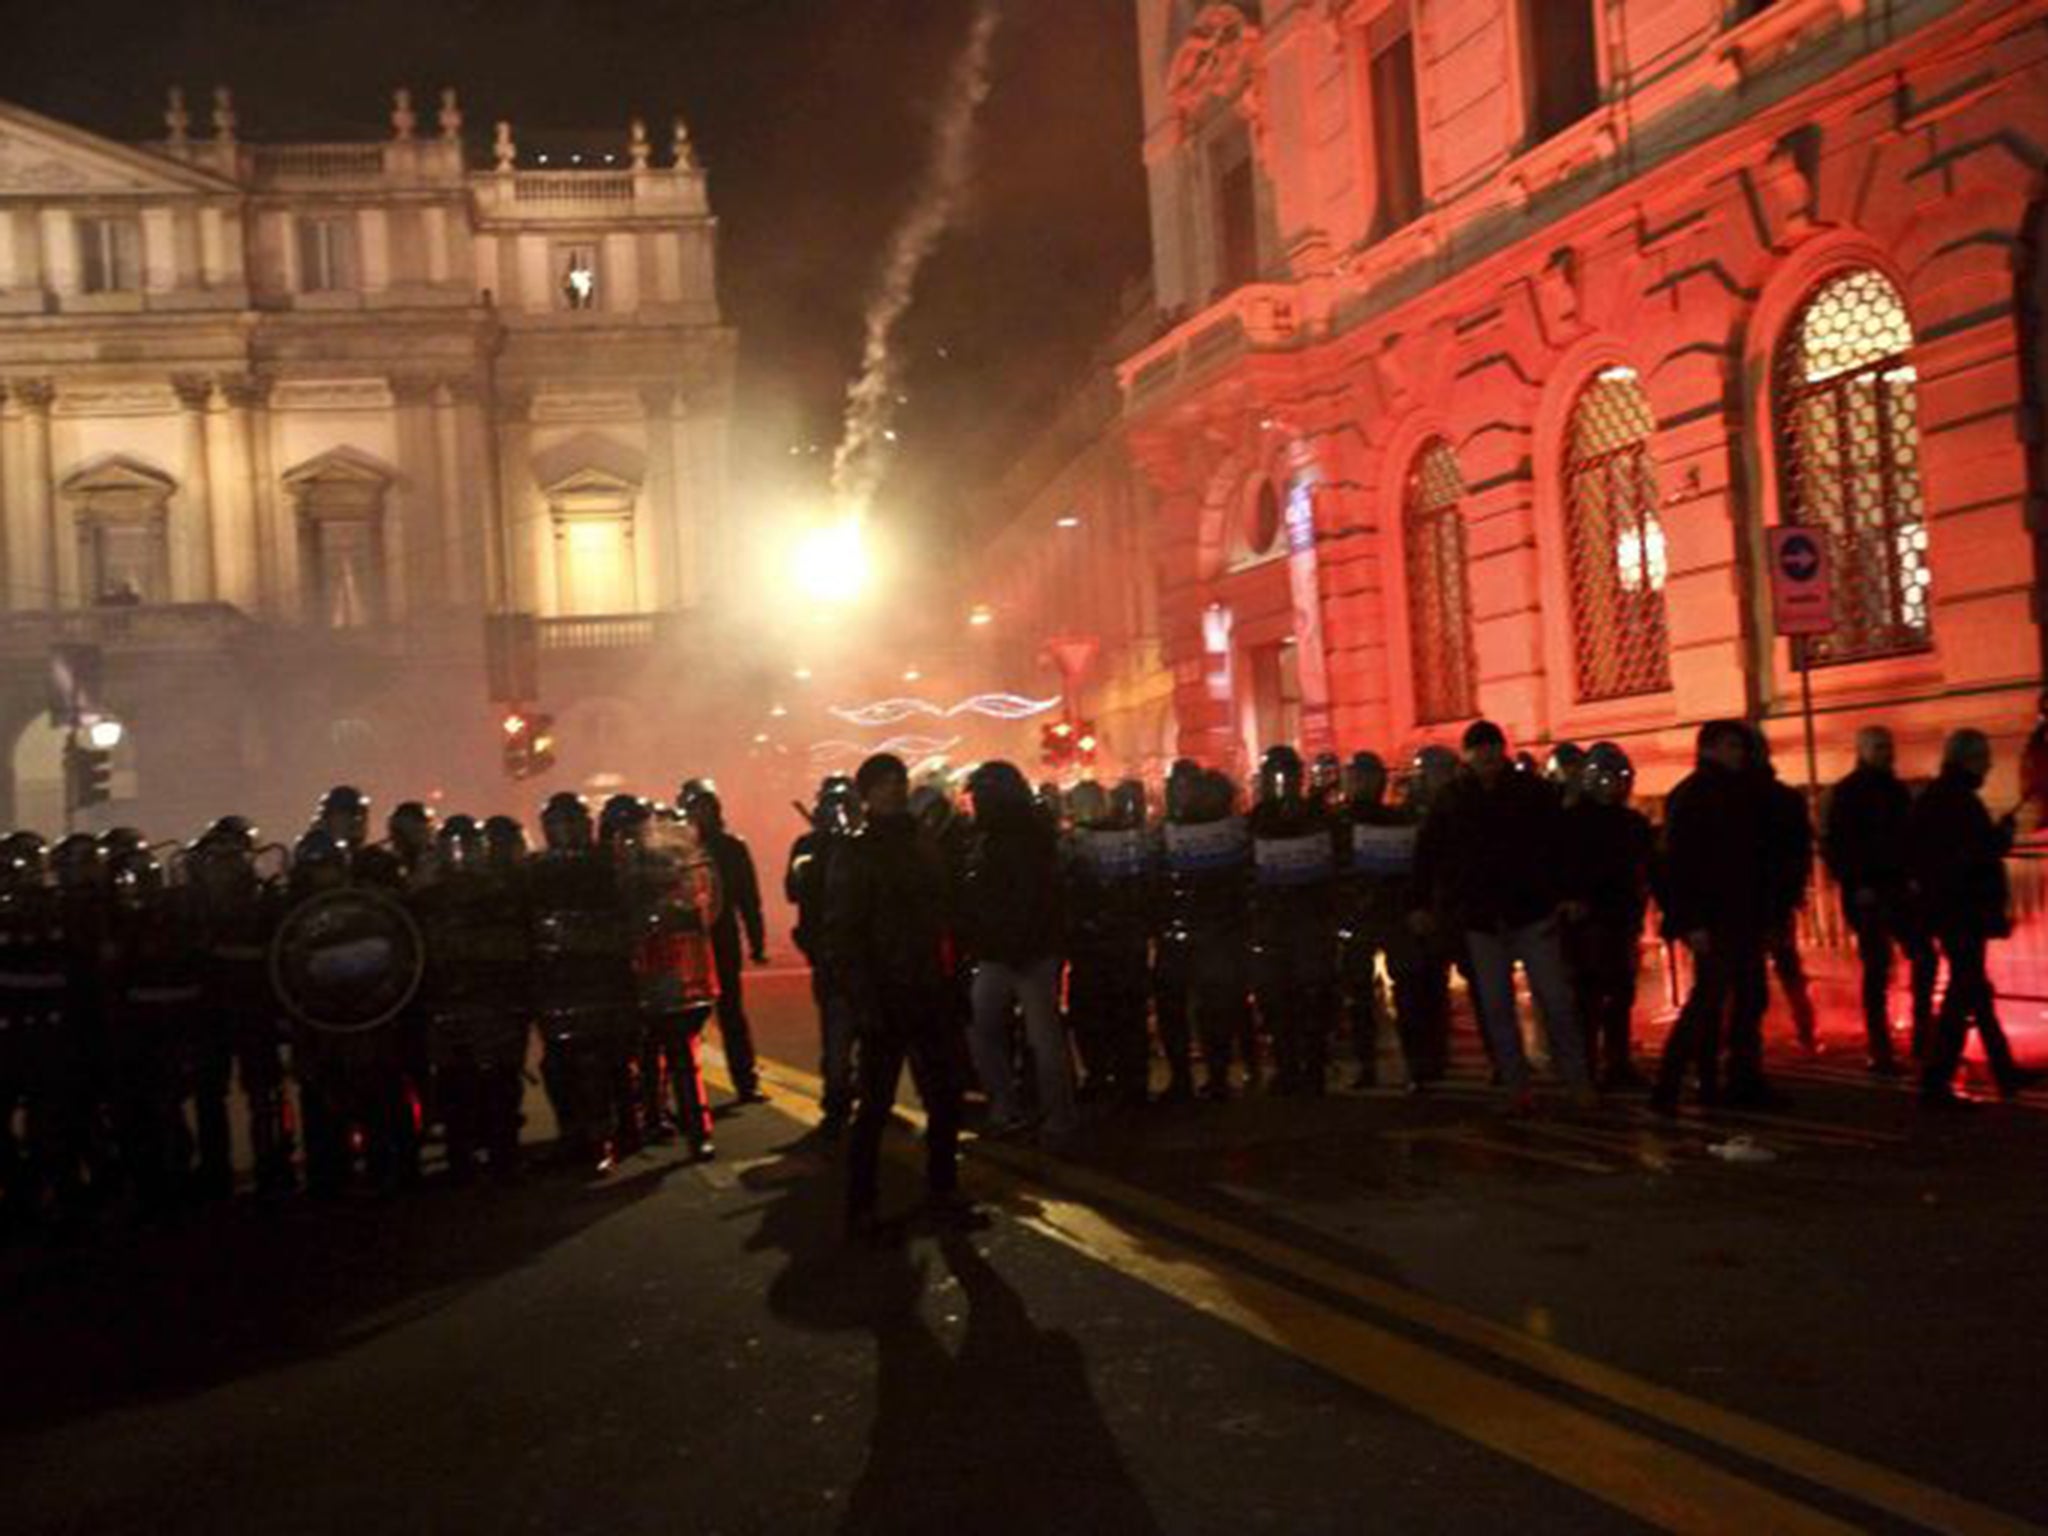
pixel 1489 859
pixel 1011 910
pixel 890 942
pixel 1864 843
pixel 1957 855
pixel 808 879
pixel 1715 889
pixel 741 888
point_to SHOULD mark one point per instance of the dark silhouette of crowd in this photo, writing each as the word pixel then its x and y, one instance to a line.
pixel 1043 942
pixel 1045 948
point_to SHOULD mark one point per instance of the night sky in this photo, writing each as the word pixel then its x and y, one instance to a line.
pixel 812 118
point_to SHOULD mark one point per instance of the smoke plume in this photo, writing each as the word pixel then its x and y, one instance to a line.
pixel 861 459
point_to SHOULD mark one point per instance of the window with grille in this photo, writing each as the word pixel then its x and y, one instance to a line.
pixel 1439 593
pixel 109 255
pixel 1615 542
pixel 1849 447
pixel 326 255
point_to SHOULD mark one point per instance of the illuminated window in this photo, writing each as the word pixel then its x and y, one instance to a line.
pixel 594 565
pixel 1439 590
pixel 340 501
pixel 109 255
pixel 1848 429
pixel 327 254
pixel 1615 542
pixel 577 266
pixel 121 512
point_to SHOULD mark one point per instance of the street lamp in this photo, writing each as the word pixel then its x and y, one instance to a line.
pixel 104 734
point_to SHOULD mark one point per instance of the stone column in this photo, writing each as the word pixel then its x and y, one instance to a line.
pixel 412 530
pixel 663 513
pixel 460 540
pixel 276 570
pixel 191 530
pixel 36 580
pixel 231 474
pixel 521 530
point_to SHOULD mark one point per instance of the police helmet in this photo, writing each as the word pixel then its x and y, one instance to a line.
pixel 1565 767
pixel 345 811
pixel 565 821
pixel 838 808
pixel 1325 776
pixel 460 842
pixel 1281 774
pixel 504 841
pixel 1365 779
pixel 411 823
pixel 77 860
pixel 237 830
pixel 621 818
pixel 1608 777
pixel 23 858
pixel 1183 788
pixel 135 875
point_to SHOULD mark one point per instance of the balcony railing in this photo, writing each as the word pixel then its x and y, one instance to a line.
pixel 581 187
pixel 600 632
pixel 318 162
pixel 144 627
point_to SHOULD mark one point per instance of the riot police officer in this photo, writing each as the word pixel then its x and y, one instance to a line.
pixel 1108 879
pixel 1422 963
pixel 33 977
pixel 1565 771
pixel 583 982
pixel 153 1006
pixel 1205 889
pixel 740 887
pixel 672 903
pixel 234 915
pixel 1294 922
pixel 410 836
pixel 349 1080
pixel 834 819
pixel 1379 858
pixel 473 996
pixel 1608 846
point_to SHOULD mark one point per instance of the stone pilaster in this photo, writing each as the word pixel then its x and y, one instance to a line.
pixel 191 532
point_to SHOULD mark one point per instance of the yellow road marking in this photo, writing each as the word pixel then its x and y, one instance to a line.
pixel 1464 1395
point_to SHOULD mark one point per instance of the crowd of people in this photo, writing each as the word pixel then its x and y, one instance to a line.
pixel 398 984
pixel 1250 936
pixel 1025 941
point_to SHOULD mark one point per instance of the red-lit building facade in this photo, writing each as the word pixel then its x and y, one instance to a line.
pixel 1496 335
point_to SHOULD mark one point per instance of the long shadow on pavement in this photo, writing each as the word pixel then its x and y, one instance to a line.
pixel 1004 1435
pixel 127 1317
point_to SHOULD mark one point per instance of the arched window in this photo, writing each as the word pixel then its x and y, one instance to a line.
pixel 1439 593
pixel 1849 449
pixel 1615 542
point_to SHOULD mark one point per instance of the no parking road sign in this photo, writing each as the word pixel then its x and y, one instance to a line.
pixel 1802 594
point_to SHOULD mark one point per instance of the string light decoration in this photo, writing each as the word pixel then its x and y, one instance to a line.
pixel 993 706
pixel 912 748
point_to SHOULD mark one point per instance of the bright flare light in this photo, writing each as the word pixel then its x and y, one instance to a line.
pixel 103 735
pixel 831 562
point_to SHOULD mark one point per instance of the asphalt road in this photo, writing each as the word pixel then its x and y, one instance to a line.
pixel 1366 1313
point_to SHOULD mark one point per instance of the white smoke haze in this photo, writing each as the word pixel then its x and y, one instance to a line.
pixel 862 457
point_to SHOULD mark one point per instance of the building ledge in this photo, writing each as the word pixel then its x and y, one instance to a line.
pixel 186 627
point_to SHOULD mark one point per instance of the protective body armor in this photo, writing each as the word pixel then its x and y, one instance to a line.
pixel 476 994
pixel 582 945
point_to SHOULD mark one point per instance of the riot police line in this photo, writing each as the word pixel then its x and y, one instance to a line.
pixel 1241 940
pixel 361 993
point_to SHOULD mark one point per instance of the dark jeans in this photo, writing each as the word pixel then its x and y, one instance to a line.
pixel 1606 954
pixel 733 1030
pixel 1877 933
pixel 1730 988
pixel 1969 1000
pixel 835 1040
pixel 1785 959
pixel 1106 1003
pixel 917 1031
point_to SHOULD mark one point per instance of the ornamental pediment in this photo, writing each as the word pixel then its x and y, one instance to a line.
pixel 118 488
pixel 41 158
pixel 1218 60
pixel 338 467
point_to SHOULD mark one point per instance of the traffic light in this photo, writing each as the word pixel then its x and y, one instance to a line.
pixel 88 775
pixel 529 744
pixel 1067 743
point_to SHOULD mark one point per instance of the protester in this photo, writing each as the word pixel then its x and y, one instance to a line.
pixel 1864 842
pixel 1489 860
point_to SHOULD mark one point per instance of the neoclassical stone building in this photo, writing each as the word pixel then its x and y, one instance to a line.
pixel 283 422
pixel 1497 333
